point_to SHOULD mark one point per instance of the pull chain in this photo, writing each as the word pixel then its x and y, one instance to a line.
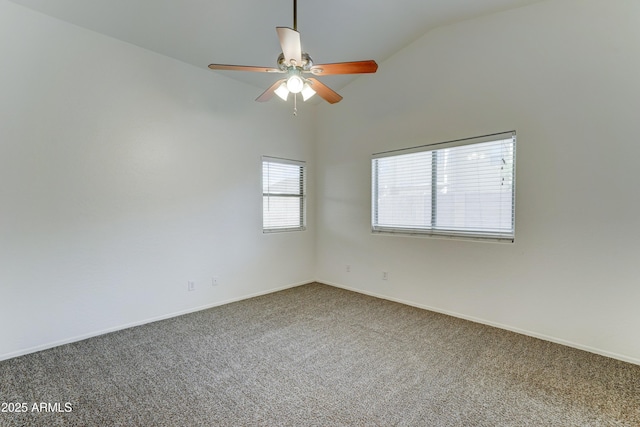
pixel 295 104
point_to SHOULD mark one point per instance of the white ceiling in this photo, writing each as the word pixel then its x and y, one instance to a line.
pixel 242 32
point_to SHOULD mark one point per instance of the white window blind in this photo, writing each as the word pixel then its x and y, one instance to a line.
pixel 283 195
pixel 458 188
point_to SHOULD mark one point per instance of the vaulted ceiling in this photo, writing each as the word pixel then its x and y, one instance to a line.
pixel 242 32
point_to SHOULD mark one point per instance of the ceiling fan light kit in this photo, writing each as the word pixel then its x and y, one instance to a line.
pixel 296 64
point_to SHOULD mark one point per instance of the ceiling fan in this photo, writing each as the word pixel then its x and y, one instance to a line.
pixel 297 65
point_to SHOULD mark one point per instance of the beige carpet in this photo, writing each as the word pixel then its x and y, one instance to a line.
pixel 319 356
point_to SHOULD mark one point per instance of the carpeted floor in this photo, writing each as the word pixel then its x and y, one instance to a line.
pixel 318 356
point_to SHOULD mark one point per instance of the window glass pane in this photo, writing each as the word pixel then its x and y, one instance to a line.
pixel 475 187
pixel 404 190
pixel 281 212
pixel 281 178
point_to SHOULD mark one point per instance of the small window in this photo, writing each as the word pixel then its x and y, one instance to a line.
pixel 462 188
pixel 283 195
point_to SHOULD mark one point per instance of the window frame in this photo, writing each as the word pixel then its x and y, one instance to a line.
pixel 432 230
pixel 302 195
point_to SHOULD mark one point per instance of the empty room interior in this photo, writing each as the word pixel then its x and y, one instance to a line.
pixel 143 280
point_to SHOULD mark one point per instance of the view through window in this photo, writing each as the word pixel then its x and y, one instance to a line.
pixel 283 195
pixel 458 188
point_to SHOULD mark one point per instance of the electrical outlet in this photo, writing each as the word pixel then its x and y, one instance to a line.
pixel 385 275
pixel 214 281
pixel 191 286
pixel 348 268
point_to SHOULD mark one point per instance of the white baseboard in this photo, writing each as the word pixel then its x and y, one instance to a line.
pixel 544 337
pixel 556 340
pixel 49 345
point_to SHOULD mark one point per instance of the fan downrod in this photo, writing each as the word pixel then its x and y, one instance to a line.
pixel 295 15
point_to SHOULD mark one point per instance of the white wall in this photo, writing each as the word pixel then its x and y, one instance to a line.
pixel 117 185
pixel 564 75
pixel 125 174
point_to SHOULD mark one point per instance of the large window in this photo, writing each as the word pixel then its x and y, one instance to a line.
pixel 460 188
pixel 283 195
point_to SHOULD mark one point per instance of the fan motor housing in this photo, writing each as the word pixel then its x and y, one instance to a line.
pixel 306 65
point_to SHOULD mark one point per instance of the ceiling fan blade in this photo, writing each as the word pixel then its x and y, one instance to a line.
pixel 268 94
pixel 225 67
pixel 290 43
pixel 325 92
pixel 357 67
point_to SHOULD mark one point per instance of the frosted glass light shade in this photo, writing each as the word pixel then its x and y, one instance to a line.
pixel 295 84
pixel 307 92
pixel 282 91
